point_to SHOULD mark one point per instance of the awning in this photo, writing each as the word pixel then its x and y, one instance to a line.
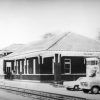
pixel 47 53
pixel 70 53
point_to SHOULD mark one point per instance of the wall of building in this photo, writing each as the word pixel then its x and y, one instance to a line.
pixel 42 69
pixel 77 65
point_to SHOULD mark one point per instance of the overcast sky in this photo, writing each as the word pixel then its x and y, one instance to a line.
pixel 23 21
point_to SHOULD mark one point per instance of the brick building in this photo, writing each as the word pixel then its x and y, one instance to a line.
pixel 58 58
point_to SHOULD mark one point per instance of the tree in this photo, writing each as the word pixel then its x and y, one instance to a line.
pixel 48 35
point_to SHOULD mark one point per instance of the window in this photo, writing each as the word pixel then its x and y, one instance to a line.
pixel 67 66
pixel 93 62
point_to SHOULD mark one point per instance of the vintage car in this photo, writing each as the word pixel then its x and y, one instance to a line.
pixel 90 84
pixel 73 85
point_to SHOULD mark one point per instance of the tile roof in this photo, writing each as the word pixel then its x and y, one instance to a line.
pixel 75 42
pixel 62 42
pixel 13 47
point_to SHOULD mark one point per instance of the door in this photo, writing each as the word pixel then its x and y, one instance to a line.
pixel 8 72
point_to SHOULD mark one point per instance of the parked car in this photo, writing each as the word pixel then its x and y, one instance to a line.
pixel 73 85
pixel 90 84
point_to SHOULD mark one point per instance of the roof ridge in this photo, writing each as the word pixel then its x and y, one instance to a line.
pixel 58 40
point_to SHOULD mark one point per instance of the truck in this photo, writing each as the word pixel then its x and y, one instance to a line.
pixel 91 83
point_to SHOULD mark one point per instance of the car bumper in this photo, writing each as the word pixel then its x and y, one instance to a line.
pixel 71 87
pixel 85 87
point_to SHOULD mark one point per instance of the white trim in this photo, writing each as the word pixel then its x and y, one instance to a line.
pixel 51 53
pixel 42 60
pixel 17 66
pixel 8 64
pixel 24 64
pixel 27 61
pixel 70 66
pixel 36 74
pixel 53 74
pixel 84 61
pixel 52 66
pixel 14 64
pixel 20 66
pixel 59 58
pixel 34 66
pixel 74 74
pixel 39 59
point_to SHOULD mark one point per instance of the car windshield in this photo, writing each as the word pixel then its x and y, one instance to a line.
pixel 79 78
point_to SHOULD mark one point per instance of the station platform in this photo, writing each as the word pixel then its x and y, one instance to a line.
pixel 47 87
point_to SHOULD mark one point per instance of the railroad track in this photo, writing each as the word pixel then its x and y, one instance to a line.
pixel 39 95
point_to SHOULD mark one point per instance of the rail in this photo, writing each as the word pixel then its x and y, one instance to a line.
pixel 40 95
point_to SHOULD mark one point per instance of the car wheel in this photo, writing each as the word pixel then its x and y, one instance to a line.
pixel 95 90
pixel 68 89
pixel 76 87
pixel 85 90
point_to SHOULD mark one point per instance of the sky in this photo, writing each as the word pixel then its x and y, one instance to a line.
pixel 24 21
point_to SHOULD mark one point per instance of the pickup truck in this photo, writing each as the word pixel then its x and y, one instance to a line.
pixel 90 84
